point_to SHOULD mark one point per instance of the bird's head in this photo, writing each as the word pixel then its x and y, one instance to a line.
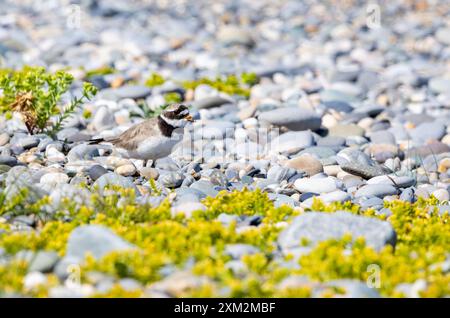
pixel 177 115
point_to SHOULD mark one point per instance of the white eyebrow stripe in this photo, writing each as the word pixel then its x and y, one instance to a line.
pixel 184 112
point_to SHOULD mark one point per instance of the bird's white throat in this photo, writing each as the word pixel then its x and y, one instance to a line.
pixel 176 123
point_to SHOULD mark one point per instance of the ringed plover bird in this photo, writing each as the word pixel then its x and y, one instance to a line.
pixel 153 138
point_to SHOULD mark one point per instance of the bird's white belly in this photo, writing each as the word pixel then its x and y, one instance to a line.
pixel 154 148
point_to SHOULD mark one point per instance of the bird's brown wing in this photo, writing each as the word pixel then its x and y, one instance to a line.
pixel 133 136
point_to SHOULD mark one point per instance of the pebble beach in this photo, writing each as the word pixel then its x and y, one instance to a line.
pixel 318 164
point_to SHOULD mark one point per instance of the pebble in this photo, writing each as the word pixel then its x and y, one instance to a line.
pixel 96 171
pixel 4 139
pixel 113 179
pixel 126 170
pixel 318 185
pixel 291 142
pixel 317 227
pixel 294 118
pixel 441 194
pixel 43 262
pixel 94 239
pixel 338 113
pixel 376 190
pixel 341 130
pixel 54 178
pixel 306 163
pixel 171 179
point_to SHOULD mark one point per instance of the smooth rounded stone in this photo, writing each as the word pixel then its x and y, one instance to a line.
pixel 398 181
pixel 82 152
pixel 342 130
pixel 428 132
pixel 8 160
pixel 281 199
pixel 294 118
pixel 4 139
pixel 114 179
pixel 127 91
pixel 231 174
pixel 74 193
pixel 96 240
pixel 167 164
pixel 215 176
pixel 331 141
pixel 278 174
pixel 54 178
pixel 149 173
pixel 382 137
pixel 327 198
pixel 290 142
pixel 339 106
pixel 4 169
pixel 327 95
pixel 374 203
pixel 335 196
pixel 443 35
pixel 129 284
pixel 316 185
pixel 43 262
pixel 27 142
pixel 393 164
pixel 234 35
pixel 376 190
pixel 434 148
pixel 408 195
pixel 422 192
pixel 53 154
pixel 188 208
pixel 237 251
pixel 213 129
pixel 306 163
pixel 440 85
pixel 96 171
pixel 210 102
pixel 126 170
pixel 205 187
pixel 317 227
pixel 444 165
pixel 227 219
pixel 72 135
pixel 188 180
pixel 103 119
pixel 360 165
pixel 441 194
pixel 331 170
pixel 189 195
pixel 318 151
pixel 33 280
pixel 171 179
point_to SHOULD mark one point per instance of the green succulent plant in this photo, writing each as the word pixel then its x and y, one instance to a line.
pixel 36 95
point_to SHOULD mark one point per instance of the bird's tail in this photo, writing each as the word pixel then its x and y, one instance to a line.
pixel 96 141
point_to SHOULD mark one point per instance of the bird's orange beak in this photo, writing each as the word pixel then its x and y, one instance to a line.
pixel 189 118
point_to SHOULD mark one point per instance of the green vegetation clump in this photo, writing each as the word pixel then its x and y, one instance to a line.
pixel 155 79
pixel 231 84
pixel 175 240
pixel 36 95
pixel 101 71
